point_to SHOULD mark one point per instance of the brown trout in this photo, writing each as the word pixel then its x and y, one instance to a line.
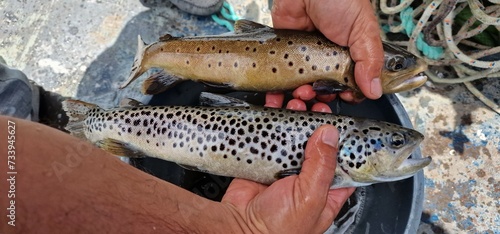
pixel 260 58
pixel 233 138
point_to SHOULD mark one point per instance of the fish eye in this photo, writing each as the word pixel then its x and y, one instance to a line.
pixel 397 140
pixel 395 63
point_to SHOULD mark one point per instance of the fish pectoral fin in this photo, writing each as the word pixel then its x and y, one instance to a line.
pixel 218 85
pixel 329 87
pixel 119 148
pixel 210 99
pixel 284 173
pixel 244 26
pixel 130 103
pixel 160 82
pixel 191 168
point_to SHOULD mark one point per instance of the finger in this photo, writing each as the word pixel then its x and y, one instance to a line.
pixel 304 92
pixel 319 165
pixel 274 100
pixel 335 201
pixel 321 107
pixel 296 104
pixel 326 97
pixel 365 46
pixel 240 191
pixel 348 96
pixel 291 14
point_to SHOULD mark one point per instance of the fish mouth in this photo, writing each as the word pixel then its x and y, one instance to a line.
pixel 405 166
pixel 406 80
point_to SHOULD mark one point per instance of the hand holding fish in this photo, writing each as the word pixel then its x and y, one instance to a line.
pixel 295 204
pixel 344 22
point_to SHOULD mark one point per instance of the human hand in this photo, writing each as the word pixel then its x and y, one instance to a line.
pixel 295 204
pixel 345 22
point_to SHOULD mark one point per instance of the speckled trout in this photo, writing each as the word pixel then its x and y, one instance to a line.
pixel 259 58
pixel 232 138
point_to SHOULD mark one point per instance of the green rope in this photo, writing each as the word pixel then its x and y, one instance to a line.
pixel 228 14
pixel 432 52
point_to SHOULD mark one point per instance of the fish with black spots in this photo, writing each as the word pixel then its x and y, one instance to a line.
pixel 229 137
pixel 259 58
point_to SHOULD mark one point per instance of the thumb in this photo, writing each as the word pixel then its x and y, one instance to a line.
pixel 320 162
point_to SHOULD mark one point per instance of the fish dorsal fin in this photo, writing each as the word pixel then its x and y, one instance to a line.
pixel 243 26
pixel 166 37
pixel 119 148
pixel 130 103
pixel 210 99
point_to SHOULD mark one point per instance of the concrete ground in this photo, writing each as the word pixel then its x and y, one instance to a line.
pixel 84 49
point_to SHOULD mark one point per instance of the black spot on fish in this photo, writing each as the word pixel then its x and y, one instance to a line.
pixel 359 149
pixel 319 42
pixel 283 153
pixel 365 131
pixel 272 52
pixel 285 56
pixel 255 139
pixel 294 163
pixel 301 70
pixel 290 42
pixel 358 165
pixel 346 80
pixel 254 50
pixel 219 63
pixel 290 63
pixel 308 58
pixel 274 148
pixel 254 150
pixel 314 67
pixel 299 155
pixel 334 53
pixel 249 161
pixel 274 70
pixel 254 65
pixel 284 165
pixel 235 64
pixel 214 148
pixel 241 131
pixel 233 152
pixel 247 48
pixel 303 48
pixel 327 68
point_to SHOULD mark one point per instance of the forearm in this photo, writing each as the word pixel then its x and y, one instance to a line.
pixel 64 184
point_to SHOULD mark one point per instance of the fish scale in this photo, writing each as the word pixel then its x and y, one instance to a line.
pixel 256 143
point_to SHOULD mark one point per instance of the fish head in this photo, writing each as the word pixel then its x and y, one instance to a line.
pixel 402 71
pixel 380 152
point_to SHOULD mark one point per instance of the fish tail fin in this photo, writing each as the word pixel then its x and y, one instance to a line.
pixel 137 68
pixel 77 112
pixel 159 82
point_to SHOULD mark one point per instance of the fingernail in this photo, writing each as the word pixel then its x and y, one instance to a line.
pixel 376 87
pixel 330 137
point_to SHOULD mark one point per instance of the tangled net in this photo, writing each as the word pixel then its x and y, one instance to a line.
pixel 462 35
